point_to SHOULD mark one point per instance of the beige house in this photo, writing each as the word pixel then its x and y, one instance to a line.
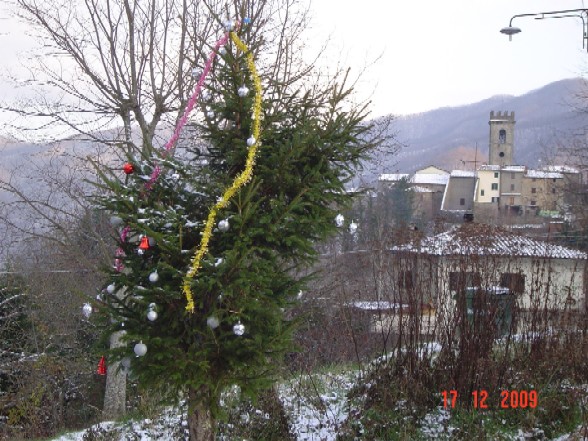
pixel 431 170
pixel 488 185
pixel 542 276
pixel 542 190
pixel 511 188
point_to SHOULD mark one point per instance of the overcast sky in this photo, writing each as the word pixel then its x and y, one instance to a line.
pixel 444 53
pixel 431 53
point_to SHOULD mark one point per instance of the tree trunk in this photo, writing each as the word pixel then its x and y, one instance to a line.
pixel 115 396
pixel 200 420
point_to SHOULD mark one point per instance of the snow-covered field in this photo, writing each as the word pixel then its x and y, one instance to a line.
pixel 316 404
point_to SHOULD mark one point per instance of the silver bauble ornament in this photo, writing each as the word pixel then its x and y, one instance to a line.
pixel 111 288
pixel 243 91
pixel 224 225
pixel 154 277
pixel 115 221
pixel 239 329
pixel 140 349
pixel 251 141
pixel 152 315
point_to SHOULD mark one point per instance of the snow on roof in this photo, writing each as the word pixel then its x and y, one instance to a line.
pixel 560 169
pixel 420 178
pixel 432 169
pixel 489 167
pixel 462 174
pixel 514 168
pixel 393 176
pixel 430 178
pixel 480 239
pixel 540 174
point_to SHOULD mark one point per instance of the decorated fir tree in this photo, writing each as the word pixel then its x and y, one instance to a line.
pixel 210 239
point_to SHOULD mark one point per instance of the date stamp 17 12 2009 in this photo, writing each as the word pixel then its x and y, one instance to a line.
pixel 480 399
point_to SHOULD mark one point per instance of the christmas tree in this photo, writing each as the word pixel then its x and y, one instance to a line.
pixel 210 240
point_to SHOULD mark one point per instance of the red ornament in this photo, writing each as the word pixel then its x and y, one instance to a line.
pixel 101 366
pixel 144 245
pixel 128 168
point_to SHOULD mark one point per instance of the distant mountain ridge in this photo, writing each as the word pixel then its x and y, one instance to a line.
pixel 447 137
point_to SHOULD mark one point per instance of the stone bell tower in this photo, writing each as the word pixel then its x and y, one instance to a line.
pixel 501 147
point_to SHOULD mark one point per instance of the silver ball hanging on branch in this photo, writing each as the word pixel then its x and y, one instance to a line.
pixel 243 91
pixel 224 225
pixel 239 329
pixel 152 315
pixel 251 141
pixel 111 288
pixel 140 349
pixel 154 277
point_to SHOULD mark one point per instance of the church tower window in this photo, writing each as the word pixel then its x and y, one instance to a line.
pixel 502 136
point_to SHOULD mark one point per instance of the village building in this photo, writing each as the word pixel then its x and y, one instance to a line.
pixel 428 187
pixel 547 281
pixel 496 191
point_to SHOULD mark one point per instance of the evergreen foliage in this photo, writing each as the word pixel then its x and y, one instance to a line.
pixel 310 147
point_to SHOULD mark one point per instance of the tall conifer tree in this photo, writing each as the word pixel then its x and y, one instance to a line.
pixel 310 142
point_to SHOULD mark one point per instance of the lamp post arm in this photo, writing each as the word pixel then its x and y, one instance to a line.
pixel 521 15
pixel 581 13
pixel 543 14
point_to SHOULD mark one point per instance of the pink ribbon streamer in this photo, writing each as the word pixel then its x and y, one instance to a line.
pixel 189 107
pixel 119 254
pixel 118 265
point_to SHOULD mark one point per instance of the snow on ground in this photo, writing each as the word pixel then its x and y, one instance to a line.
pixel 317 414
pixel 316 404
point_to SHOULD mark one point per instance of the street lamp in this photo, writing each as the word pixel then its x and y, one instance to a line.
pixel 582 14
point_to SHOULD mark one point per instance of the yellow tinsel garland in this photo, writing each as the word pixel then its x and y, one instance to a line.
pixel 241 179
